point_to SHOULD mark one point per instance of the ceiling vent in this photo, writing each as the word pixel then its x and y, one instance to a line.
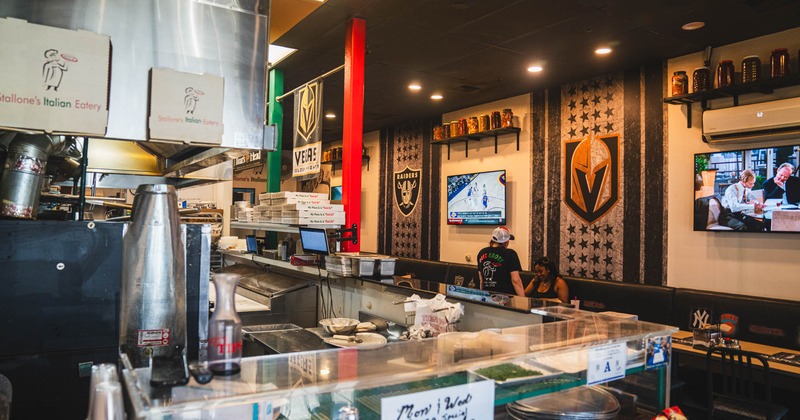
pixel 766 121
pixel 467 88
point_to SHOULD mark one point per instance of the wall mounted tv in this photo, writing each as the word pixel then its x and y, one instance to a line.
pixel 477 198
pixel 721 203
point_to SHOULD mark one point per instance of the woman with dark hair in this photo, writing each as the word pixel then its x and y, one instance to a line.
pixel 546 283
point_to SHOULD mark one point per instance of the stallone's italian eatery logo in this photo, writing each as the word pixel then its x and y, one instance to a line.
pixel 53 68
pixel 190 100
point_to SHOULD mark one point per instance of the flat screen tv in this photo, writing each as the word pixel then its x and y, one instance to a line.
pixel 725 202
pixel 477 198
pixel 314 240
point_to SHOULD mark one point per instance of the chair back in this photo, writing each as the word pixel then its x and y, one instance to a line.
pixel 737 382
pixel 785 221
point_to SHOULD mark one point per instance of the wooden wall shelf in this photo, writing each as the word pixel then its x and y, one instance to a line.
pixel 477 137
pixel 764 86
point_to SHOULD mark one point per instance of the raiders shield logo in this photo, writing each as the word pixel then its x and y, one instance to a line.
pixel 307 117
pixel 592 176
pixel 406 189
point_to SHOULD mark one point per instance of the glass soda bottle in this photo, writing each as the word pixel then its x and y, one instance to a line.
pixel 225 328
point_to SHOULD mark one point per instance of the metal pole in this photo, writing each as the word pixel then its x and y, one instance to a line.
pixel 84 165
pixel 353 126
pixel 291 92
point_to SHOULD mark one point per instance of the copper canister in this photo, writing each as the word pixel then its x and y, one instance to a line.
pixel 779 63
pixel 462 126
pixel 437 132
pixel 472 125
pixel 751 69
pixel 701 79
pixel 495 119
pixel 725 74
pixel 483 123
pixel 680 83
pixel 445 130
pixel 508 118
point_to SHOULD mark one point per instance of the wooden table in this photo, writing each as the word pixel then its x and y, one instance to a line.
pixel 783 375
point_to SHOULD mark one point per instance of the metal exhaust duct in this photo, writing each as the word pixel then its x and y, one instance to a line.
pixel 24 170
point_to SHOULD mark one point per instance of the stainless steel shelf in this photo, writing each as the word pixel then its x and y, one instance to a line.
pixel 266 227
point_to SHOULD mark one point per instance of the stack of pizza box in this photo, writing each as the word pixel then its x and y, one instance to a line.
pixel 298 208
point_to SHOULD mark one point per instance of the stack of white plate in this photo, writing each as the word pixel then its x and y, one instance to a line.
pixel 574 404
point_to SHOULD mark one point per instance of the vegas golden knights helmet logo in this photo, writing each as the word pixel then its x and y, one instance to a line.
pixel 406 189
pixel 591 176
pixel 307 110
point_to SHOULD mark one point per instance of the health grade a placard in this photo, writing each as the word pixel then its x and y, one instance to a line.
pixel 53 80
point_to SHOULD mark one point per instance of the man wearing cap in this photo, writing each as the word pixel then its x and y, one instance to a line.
pixel 499 266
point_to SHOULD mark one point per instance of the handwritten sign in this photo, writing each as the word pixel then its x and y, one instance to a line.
pixel 472 401
pixel 53 80
pixel 185 107
pixel 606 363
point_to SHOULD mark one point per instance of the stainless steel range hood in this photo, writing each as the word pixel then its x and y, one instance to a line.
pixel 218 37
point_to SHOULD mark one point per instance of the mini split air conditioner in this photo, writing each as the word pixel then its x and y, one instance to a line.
pixel 766 121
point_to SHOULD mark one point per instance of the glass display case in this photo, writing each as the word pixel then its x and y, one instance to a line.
pixel 617 368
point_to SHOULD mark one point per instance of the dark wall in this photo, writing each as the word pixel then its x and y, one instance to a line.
pixel 598 151
pixel 410 228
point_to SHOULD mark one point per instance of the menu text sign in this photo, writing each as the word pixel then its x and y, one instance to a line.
pixel 53 80
pixel 472 401
pixel 185 107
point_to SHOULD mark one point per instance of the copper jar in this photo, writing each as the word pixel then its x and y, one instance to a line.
pixel 701 79
pixel 495 120
pixel 483 123
pixel 437 132
pixel 680 83
pixel 462 126
pixel 751 69
pixel 508 118
pixel 454 128
pixel 725 73
pixel 779 63
pixel 472 125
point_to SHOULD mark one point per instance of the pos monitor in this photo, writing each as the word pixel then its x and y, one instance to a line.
pixel 314 240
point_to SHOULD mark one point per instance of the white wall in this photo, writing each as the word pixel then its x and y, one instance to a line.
pixel 460 241
pixel 370 185
pixel 742 263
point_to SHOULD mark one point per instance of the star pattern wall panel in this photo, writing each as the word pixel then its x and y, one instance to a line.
pixel 600 219
pixel 409 197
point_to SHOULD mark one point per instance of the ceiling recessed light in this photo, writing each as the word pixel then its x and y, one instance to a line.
pixel 602 51
pixel 693 25
pixel 535 69
pixel 414 86
pixel 330 115
pixel 436 97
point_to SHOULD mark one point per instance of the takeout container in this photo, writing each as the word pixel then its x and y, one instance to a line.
pixel 369 265
pixel 338 325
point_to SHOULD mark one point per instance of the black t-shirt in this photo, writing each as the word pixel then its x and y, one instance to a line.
pixel 496 265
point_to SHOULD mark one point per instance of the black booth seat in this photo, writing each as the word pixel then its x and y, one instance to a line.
pixel 774 322
pixel 463 274
pixel 650 303
pixel 421 269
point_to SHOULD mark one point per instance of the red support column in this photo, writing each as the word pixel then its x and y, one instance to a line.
pixel 354 51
